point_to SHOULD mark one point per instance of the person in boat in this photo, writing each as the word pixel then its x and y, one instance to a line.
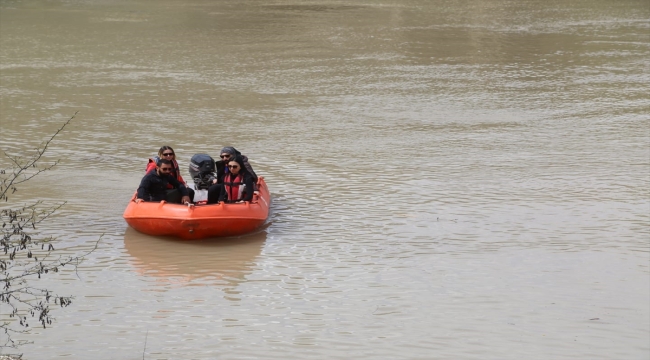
pixel 225 155
pixel 154 185
pixel 166 152
pixel 238 184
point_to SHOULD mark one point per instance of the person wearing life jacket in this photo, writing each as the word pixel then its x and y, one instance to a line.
pixel 166 152
pixel 225 155
pixel 237 184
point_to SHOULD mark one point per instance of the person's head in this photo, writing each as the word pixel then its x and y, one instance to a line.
pixel 228 153
pixel 166 152
pixel 164 166
pixel 236 165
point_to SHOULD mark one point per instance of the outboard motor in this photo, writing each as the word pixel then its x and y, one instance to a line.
pixel 202 167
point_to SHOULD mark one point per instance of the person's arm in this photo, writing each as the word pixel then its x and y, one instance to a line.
pixel 249 168
pixel 248 195
pixel 221 172
pixel 143 189
pixel 177 184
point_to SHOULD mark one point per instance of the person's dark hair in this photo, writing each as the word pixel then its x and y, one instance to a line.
pixel 163 148
pixel 164 161
pixel 239 160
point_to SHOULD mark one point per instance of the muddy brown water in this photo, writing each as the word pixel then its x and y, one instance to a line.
pixel 450 180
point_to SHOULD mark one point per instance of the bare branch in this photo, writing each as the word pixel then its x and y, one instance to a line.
pixel 22 260
pixel 20 167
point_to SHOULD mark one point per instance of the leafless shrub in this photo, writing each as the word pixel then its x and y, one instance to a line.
pixel 26 255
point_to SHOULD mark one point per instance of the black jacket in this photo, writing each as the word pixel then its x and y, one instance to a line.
pixel 154 187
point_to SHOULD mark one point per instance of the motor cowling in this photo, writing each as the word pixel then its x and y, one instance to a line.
pixel 202 167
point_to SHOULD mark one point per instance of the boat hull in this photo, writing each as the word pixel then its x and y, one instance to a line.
pixel 199 221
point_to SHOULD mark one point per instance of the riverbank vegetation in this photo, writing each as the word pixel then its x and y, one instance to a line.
pixel 26 255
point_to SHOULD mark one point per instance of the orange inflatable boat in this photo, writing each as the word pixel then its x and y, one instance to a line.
pixel 199 221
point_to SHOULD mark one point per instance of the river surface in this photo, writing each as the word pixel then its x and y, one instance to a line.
pixel 450 179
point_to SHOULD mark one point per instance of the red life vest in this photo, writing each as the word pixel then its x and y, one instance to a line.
pixel 234 188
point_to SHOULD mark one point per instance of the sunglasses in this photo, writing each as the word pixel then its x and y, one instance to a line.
pixel 224 156
pixel 233 166
pixel 167 154
pixel 165 169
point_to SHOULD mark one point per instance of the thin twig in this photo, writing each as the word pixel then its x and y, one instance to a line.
pixel 145 344
pixel 88 253
pixel 33 161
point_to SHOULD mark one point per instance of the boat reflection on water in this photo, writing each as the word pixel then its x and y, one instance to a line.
pixel 223 261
